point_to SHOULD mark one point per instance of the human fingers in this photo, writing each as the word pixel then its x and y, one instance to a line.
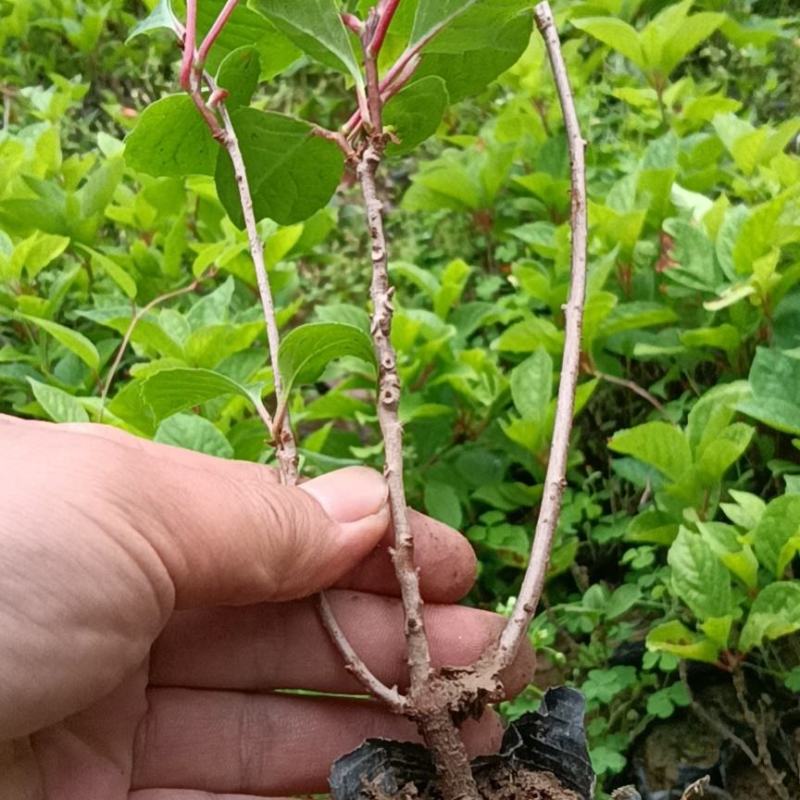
pixel 100 539
pixel 444 557
pixel 285 646
pixel 265 744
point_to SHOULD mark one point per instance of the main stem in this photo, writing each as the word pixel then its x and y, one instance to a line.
pixel 419 661
pixel 435 721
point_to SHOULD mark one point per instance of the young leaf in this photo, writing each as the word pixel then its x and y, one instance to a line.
pixel 454 280
pixel 674 637
pixel 213 308
pixel 316 27
pixel 659 444
pixel 171 140
pixel 72 340
pixel 699 579
pixel 775 613
pixel 307 350
pixel 238 74
pixel 292 173
pixel 173 390
pixel 775 382
pixel 441 502
pixel 532 386
pixel 616 34
pixel 36 252
pixel 415 113
pixel 58 405
pixel 209 345
pixel 193 433
pixel 681 37
pixel 723 452
pixel 114 271
pixel 777 535
pixel 160 18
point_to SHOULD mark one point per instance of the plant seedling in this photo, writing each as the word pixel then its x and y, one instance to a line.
pixel 400 60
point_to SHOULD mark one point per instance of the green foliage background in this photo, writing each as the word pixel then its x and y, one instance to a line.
pixel 681 526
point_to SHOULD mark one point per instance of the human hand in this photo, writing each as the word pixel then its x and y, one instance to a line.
pixel 152 600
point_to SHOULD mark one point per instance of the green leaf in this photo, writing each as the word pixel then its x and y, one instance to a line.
pixel 307 350
pixel 292 173
pixel 698 578
pixel 792 680
pixel 658 444
pixel 415 113
pixel 72 340
pixel 723 452
pixel 632 316
pixel 712 413
pixel 774 538
pixel 622 599
pixel 104 263
pixel 36 252
pixel 674 637
pixel 57 404
pixel 454 280
pixel 532 386
pixel 775 382
pixel 207 346
pixel 774 613
pixel 663 703
pixel 316 27
pixel 688 35
pixel 213 309
pixel 173 390
pixel 482 17
pixel 160 18
pixel 193 432
pixel 722 337
pixel 470 66
pixel 442 503
pixel 746 511
pixel 738 558
pixel 147 332
pixel 529 335
pixel 172 140
pixel 693 256
pixel 616 34
pixel 238 74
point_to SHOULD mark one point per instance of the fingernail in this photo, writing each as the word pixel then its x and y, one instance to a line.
pixel 349 495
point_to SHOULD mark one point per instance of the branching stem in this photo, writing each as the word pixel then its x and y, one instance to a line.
pixel 386 12
pixel 189 40
pixel 555 478
pixel 633 387
pixel 214 32
pixel 354 663
pixel 281 431
pixel 126 339
pixel 219 123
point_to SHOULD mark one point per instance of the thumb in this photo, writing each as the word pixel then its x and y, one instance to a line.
pixel 228 533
